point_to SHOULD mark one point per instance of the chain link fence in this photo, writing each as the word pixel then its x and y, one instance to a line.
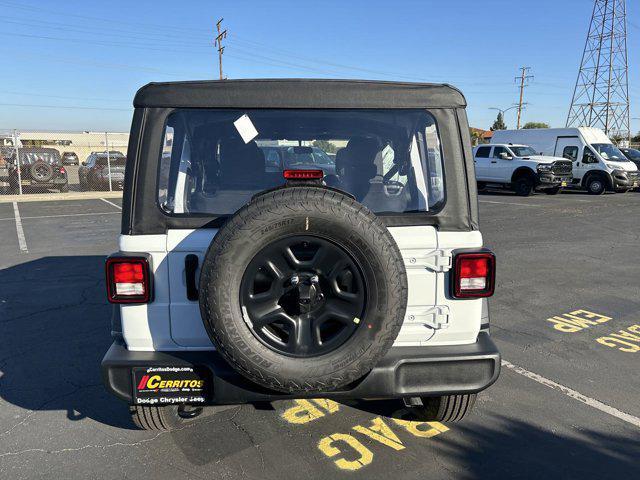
pixel 34 162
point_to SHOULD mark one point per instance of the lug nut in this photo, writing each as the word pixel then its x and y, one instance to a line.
pixel 295 280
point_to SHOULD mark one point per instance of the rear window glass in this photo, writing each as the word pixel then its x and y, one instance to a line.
pixel 213 161
pixel 115 161
pixel 32 156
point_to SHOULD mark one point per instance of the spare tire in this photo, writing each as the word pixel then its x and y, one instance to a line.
pixel 303 290
pixel 41 171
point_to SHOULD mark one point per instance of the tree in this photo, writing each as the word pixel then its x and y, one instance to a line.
pixel 636 139
pixel 536 125
pixel 476 136
pixel 499 123
pixel 325 145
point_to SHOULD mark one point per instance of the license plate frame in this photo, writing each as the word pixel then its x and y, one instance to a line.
pixel 154 385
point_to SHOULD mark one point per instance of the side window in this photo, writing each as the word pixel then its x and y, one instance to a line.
pixel 570 153
pixel 498 150
pixel 483 152
pixel 588 156
pixel 163 180
pixel 435 167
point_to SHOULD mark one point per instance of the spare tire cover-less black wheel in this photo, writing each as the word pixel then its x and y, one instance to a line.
pixel 303 290
pixel 41 171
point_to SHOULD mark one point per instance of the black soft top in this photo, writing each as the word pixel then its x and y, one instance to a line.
pixel 298 93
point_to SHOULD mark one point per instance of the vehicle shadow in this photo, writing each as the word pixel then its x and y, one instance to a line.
pixel 55 328
pixel 498 446
pixel 485 445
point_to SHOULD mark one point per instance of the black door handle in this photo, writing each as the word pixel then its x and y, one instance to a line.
pixel 190 267
pixel 493 161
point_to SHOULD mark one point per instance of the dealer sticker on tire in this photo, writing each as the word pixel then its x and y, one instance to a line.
pixel 169 385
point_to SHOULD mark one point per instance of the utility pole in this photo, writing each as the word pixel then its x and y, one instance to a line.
pixel 524 80
pixel 218 43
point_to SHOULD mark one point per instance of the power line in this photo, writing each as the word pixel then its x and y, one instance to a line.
pixel 109 32
pixel 63 97
pixel 64 106
pixel 38 9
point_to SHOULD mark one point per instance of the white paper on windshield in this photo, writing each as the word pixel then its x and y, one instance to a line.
pixel 245 128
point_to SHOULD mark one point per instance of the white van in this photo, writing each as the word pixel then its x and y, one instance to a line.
pixel 598 165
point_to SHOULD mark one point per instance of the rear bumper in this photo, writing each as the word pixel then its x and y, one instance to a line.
pixel 403 372
pixel 102 182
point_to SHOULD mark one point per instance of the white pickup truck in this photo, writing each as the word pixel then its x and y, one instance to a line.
pixel 598 165
pixel 519 168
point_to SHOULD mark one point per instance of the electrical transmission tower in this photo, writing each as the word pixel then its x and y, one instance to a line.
pixel 601 95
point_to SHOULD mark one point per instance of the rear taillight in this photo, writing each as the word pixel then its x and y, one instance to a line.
pixel 128 280
pixel 474 274
pixel 303 174
pixel 62 170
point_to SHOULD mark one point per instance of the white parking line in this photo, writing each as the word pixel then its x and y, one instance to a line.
pixel 111 203
pixel 22 242
pixel 510 203
pixel 635 421
pixel 64 215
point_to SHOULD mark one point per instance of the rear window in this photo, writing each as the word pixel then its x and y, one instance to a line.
pixel 47 156
pixel 115 161
pixel 213 161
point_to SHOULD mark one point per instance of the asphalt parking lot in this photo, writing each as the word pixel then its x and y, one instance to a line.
pixel 566 316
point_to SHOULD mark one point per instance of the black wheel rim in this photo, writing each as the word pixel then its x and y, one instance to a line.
pixel 41 171
pixel 303 296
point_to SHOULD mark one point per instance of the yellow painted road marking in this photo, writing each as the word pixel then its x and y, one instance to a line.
pixel 305 411
pixel 626 340
pixel 364 457
pixel 577 320
pixel 421 429
pixel 380 432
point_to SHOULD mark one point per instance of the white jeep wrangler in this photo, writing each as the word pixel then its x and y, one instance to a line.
pixel 236 283
pixel 521 169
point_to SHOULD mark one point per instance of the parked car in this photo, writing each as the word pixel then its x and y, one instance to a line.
pixel 519 168
pixel 598 165
pixel 632 154
pixel 70 158
pixel 95 171
pixel 280 158
pixel 233 284
pixel 38 170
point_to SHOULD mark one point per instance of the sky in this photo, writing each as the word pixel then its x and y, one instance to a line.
pixel 76 65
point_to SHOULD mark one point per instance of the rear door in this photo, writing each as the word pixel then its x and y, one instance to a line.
pixel 187 328
pixel 481 160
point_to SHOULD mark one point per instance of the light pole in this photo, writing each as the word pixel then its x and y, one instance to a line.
pixel 503 110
